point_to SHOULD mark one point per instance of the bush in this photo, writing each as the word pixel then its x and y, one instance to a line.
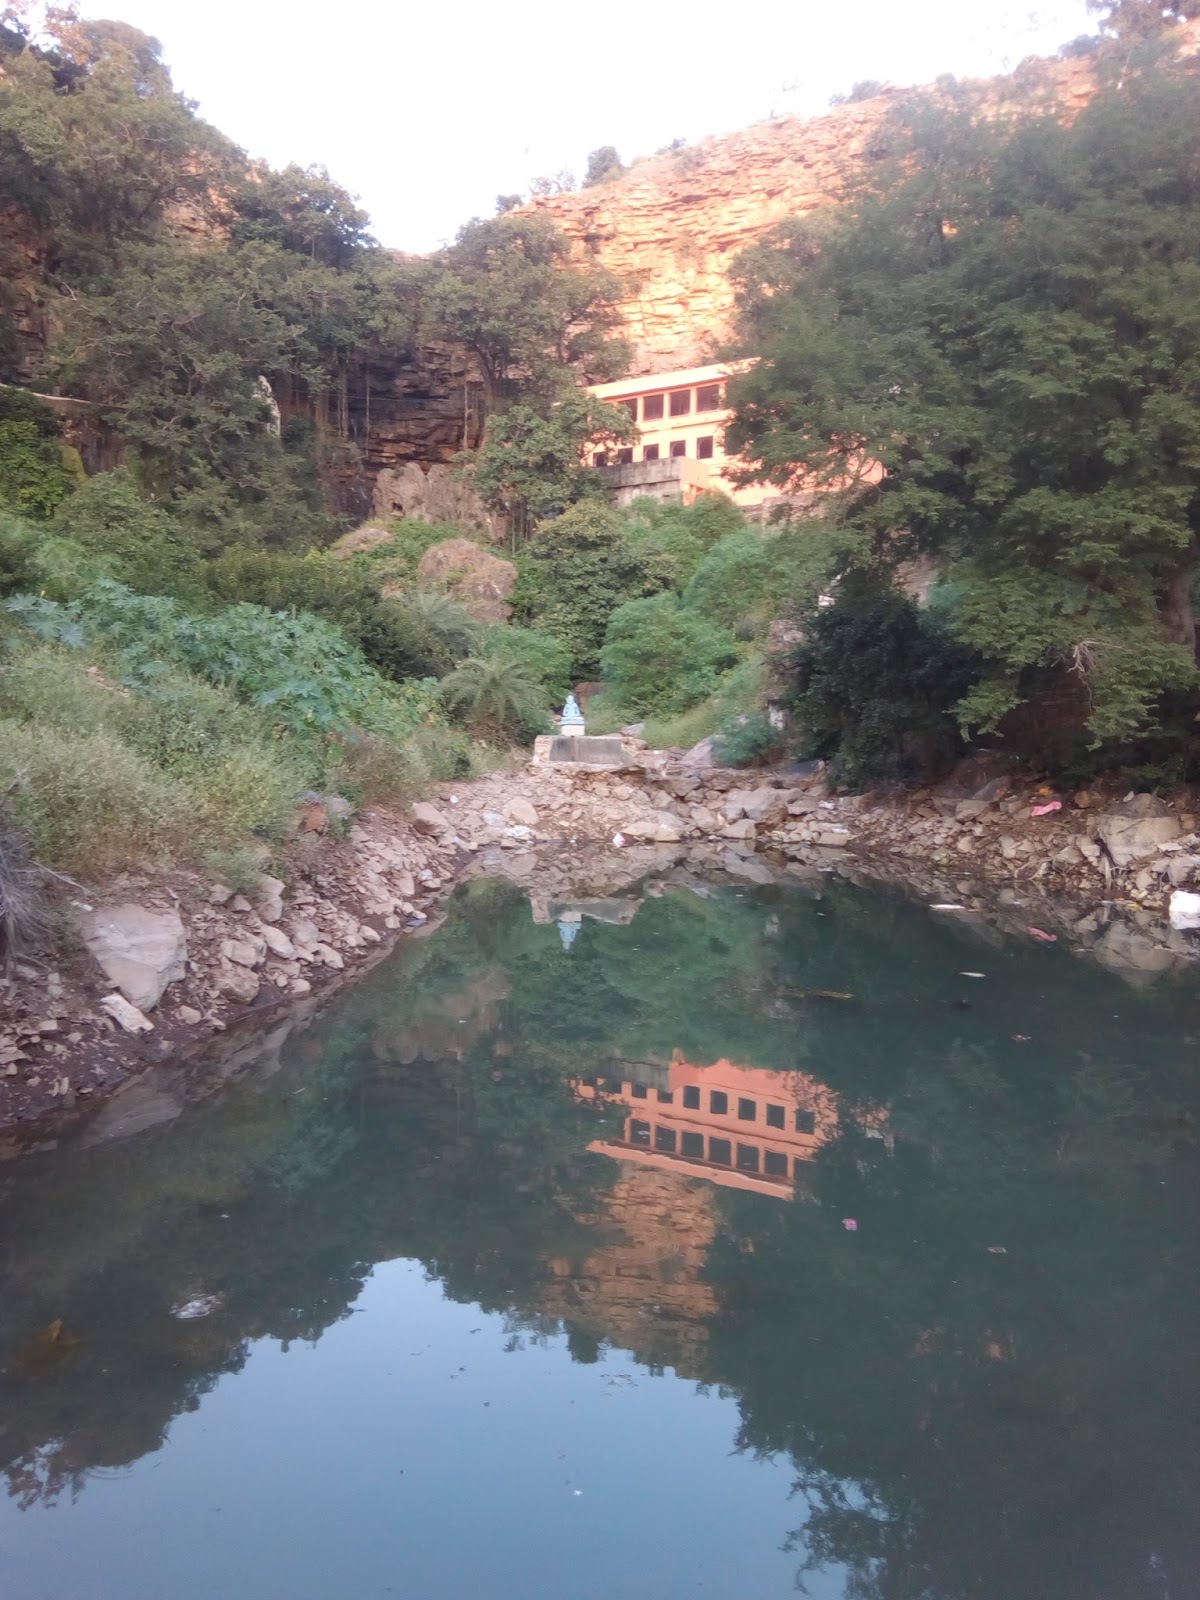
pixel 747 741
pixel 574 574
pixel 875 684
pixel 34 478
pixel 496 698
pixel 659 656
pixel 543 658
pixel 735 583
pixel 87 802
pixel 141 544
pixel 684 534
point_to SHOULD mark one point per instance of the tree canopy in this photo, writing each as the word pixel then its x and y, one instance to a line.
pixel 993 358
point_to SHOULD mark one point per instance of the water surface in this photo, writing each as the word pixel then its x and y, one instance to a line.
pixel 524 1272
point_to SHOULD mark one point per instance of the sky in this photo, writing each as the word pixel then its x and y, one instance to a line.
pixel 427 112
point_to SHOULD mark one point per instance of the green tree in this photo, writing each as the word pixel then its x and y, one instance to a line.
pixel 576 571
pixel 532 464
pixel 507 291
pixel 659 657
pixel 33 477
pixel 1008 323
pixel 603 165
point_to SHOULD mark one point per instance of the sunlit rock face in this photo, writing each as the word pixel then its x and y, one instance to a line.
pixel 672 226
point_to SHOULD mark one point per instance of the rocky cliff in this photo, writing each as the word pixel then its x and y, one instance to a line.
pixel 671 227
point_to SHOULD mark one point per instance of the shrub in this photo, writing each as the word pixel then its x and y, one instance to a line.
pixel 34 478
pixel 574 574
pixel 87 802
pixel 496 698
pixel 684 534
pixel 142 544
pixel 747 741
pixel 734 583
pixel 544 659
pixel 875 684
pixel 659 656
pixel 24 916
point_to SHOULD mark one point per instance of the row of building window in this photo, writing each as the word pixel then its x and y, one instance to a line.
pixel 650 452
pixel 775 1116
pixel 721 1152
pixel 675 403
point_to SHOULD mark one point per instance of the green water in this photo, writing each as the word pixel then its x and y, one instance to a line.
pixel 433 1299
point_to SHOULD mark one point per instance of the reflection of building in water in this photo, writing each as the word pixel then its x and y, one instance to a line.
pixel 643 1288
pixel 742 1127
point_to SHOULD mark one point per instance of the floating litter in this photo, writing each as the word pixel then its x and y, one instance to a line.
pixel 850 1225
pixel 972 974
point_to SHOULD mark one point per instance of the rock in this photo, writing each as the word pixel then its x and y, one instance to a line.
pixel 1183 869
pixel 479 580
pixel 1142 805
pixel 359 540
pixel 236 982
pixel 138 950
pixel 1131 953
pixel 1008 847
pixel 311 818
pixel 269 898
pixel 220 894
pixel 832 838
pixel 331 957
pixel 189 1016
pixel 668 830
pixel 300 986
pixel 438 493
pixel 764 805
pixel 278 943
pixel 1088 848
pixel 752 868
pixel 740 828
pixel 244 952
pixel 1082 799
pixel 704 819
pixel 428 819
pixel 520 811
pixel 1130 838
pixel 1184 910
pixel 240 904
pixel 968 810
pixel 700 755
pixel 305 933
pixel 125 1015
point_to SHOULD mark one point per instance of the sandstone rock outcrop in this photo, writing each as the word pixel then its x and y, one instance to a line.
pixel 480 581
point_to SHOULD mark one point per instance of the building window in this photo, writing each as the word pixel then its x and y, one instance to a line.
pixel 718 1102
pixel 614 1085
pixel 806 1122
pixel 639 1132
pixel 747 1158
pixel 666 1097
pixel 631 407
pixel 664 1139
pixel 775 1164
pixel 652 407
pixel 638 1091
pixel 704 448
pixel 691 1098
pixel 708 397
pixel 650 453
pixel 624 457
pixel 798 1166
pixel 679 447
pixel 776 1117
pixel 747 1110
pixel 600 459
pixel 720 1151
pixel 681 402
pixel 692 1144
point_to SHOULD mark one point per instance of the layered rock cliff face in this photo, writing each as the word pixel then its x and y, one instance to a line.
pixel 671 227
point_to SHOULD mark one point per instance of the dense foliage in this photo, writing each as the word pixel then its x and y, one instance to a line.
pixel 993 359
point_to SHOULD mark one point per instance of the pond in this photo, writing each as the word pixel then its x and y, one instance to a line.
pixel 709 1241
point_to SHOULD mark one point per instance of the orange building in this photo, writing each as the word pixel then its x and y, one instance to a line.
pixel 681 453
pixel 740 1127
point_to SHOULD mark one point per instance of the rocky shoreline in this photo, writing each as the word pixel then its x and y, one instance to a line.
pixel 175 969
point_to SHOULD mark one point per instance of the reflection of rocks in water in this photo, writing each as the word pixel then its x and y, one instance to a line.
pixel 643 1288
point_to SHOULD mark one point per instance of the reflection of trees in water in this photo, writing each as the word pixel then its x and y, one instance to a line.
pixel 963 1423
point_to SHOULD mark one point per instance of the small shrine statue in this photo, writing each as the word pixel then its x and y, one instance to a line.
pixel 572 718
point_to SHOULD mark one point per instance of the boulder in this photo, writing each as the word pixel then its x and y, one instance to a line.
pixel 520 811
pixel 237 982
pixel 1129 838
pixel 278 943
pixel 438 493
pixel 480 581
pixel 700 755
pixel 268 898
pixel 764 805
pixel 140 951
pixel 428 819
pixel 244 952
pixel 740 828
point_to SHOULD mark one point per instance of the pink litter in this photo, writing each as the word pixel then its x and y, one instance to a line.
pixel 1040 933
pixel 1044 811
pixel 849 1224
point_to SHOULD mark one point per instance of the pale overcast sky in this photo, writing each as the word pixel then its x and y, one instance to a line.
pixel 428 111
